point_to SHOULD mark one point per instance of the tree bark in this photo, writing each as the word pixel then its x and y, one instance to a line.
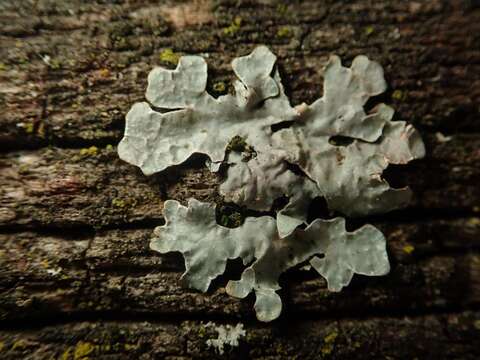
pixel 77 278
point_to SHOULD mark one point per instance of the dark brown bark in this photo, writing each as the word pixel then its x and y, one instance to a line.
pixel 77 278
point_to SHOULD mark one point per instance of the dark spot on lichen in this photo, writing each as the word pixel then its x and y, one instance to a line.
pixel 239 145
pixel 340 140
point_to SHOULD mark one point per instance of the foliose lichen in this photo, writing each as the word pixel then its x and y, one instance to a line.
pixel 272 150
pixel 226 335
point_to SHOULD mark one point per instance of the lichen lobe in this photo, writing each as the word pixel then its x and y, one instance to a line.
pixel 207 246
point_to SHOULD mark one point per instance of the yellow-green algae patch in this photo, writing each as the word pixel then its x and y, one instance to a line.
pixel 91 151
pixel 169 56
pixel 234 27
pixel 82 350
pixel 329 343
pixel 285 32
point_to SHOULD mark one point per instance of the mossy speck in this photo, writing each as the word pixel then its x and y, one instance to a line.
pixel 91 151
pixel 329 343
pixel 285 32
pixel 234 27
pixel 169 56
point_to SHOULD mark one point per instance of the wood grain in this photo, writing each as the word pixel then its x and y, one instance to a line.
pixel 77 279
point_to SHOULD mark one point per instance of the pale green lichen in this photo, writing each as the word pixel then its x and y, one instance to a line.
pixel 207 246
pixel 271 151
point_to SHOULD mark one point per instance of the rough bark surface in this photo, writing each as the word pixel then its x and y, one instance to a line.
pixel 77 278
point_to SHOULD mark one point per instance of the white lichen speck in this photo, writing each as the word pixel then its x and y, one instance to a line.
pixel 227 335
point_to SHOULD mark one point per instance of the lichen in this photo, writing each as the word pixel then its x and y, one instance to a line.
pixel 331 149
pixel 207 246
pixel 227 335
